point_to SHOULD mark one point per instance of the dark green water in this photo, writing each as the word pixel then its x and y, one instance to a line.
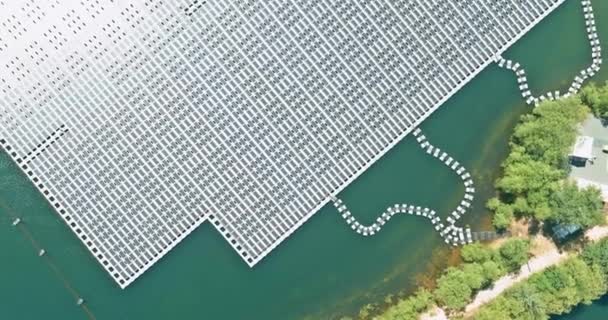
pixel 324 270
pixel 597 311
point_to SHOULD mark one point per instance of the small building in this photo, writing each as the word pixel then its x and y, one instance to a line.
pixel 593 171
pixel 582 150
pixel 563 232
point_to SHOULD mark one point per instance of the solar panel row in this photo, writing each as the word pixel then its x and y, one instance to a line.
pixel 249 113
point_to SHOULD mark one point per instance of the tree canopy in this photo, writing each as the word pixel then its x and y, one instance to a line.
pixel 453 289
pixel 483 266
pixel 549 131
pixel 409 308
pixel 528 176
pixel 503 213
pixel 554 291
pixel 456 286
pixel 476 252
pixel 596 97
pixel 597 255
pixel 514 253
pixel 532 183
pixel 581 207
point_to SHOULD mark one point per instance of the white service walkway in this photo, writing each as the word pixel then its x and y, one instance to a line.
pixel 449 231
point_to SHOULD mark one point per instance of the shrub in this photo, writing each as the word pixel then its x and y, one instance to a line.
pixel 514 253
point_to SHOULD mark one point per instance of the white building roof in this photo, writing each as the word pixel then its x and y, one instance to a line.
pixel 583 147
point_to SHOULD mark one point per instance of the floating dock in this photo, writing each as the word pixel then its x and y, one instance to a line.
pixel 140 120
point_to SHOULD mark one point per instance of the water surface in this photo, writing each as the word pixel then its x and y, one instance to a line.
pixel 324 270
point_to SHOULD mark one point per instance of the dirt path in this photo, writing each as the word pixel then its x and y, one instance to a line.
pixel 597 233
pixel 533 266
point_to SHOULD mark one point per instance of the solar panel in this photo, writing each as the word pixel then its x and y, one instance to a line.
pixel 139 120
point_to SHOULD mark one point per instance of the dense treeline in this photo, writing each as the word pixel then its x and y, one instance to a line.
pixel 457 285
pixel 533 181
pixel 556 290
pixel 482 266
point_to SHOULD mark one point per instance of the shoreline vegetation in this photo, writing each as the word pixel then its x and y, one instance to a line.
pixel 579 278
pixel 534 195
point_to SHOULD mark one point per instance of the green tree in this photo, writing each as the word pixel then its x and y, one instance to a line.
pixel 409 308
pixel 521 177
pixel 502 308
pixel 597 255
pixel 581 207
pixel 476 252
pixel 590 281
pixel 493 203
pixel 521 206
pixel 596 97
pixel 503 215
pixel 533 306
pixel 554 291
pixel 453 290
pixel 548 133
pixel 474 275
pixel 541 211
pixel 536 164
pixel 514 253
pixel 567 285
pixel 492 271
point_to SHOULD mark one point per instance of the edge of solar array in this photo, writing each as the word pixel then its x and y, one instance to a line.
pixel 406 132
pixel 253 261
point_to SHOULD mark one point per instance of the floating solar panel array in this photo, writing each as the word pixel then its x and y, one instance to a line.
pixel 139 120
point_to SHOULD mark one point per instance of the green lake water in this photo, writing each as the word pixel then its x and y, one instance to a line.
pixel 324 270
pixel 597 311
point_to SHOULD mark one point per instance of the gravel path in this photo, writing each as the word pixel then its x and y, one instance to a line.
pixel 534 265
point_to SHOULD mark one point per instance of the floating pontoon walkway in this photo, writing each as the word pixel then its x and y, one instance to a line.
pixel 488 235
pixel 596 58
pixel 451 233
pixel 249 114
